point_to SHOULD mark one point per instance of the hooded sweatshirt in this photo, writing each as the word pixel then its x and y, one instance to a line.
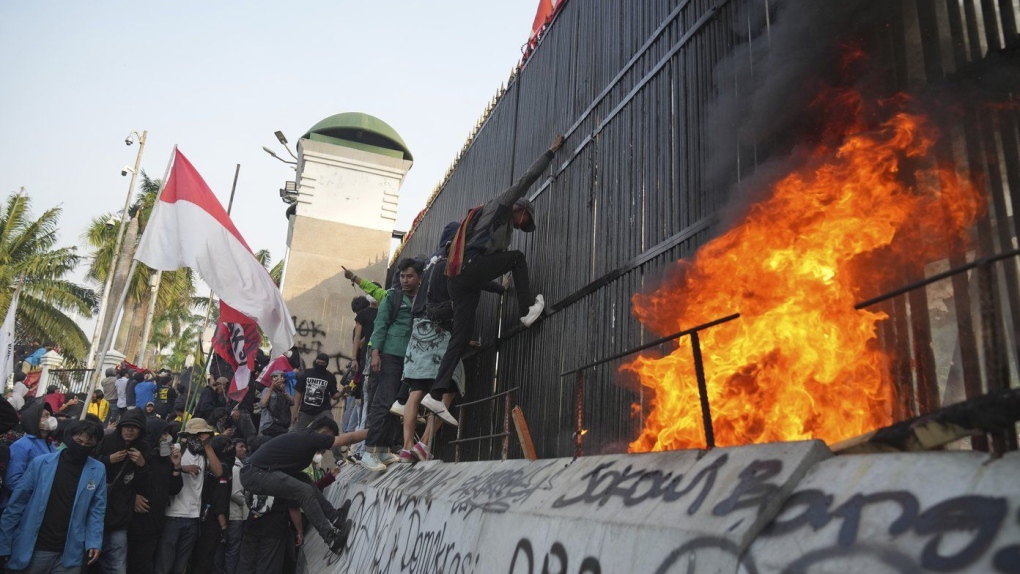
pixel 160 486
pixel 123 478
pixel 25 449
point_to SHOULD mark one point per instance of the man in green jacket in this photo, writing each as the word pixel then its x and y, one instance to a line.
pixel 389 344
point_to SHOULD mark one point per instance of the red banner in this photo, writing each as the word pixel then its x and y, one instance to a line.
pixel 237 343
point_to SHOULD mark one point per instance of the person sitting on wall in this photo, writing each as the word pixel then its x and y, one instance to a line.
pixel 479 254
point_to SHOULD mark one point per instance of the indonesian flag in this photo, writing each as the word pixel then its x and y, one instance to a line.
pixel 190 228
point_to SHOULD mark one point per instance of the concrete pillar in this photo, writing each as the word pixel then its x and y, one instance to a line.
pixel 349 173
pixel 112 359
pixel 51 360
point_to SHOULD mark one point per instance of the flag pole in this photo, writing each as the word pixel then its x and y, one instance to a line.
pixel 112 331
pixel 208 308
pixel 8 344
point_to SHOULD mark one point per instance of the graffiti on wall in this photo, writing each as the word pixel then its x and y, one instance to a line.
pixel 441 518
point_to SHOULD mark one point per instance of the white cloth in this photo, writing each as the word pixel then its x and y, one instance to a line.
pixel 238 508
pixel 188 502
pixel 121 385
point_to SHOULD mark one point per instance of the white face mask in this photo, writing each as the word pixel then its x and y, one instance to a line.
pixel 165 446
pixel 317 458
pixel 49 424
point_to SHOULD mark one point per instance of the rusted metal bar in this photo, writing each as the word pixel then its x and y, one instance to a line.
pixel 654 343
pixel 579 427
pixel 699 371
pixel 984 261
pixel 478 438
pixel 506 427
pixel 523 434
pixel 488 398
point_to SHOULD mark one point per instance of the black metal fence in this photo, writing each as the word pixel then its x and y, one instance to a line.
pixel 647 170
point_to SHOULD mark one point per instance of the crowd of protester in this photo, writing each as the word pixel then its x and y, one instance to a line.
pixel 151 476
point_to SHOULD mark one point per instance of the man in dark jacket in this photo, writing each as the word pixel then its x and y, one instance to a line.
pixel 123 452
pixel 211 398
pixel 276 405
pixel 164 462
pixel 480 254
pixel 164 396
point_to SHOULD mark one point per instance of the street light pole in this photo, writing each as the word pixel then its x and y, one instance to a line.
pixel 108 285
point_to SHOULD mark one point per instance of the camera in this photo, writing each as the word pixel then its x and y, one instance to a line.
pixel 126 170
pixel 127 141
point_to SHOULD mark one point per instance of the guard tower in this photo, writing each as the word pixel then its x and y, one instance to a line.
pixel 349 172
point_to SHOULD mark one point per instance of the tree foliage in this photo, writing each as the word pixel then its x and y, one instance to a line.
pixel 28 252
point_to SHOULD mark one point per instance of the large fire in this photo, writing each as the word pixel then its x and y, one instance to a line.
pixel 800 362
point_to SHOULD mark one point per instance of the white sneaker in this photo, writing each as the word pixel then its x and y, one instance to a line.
pixel 534 312
pixel 387 458
pixel 370 462
pixel 397 409
pixel 440 409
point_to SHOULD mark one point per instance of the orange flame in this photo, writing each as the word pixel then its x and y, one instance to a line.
pixel 801 362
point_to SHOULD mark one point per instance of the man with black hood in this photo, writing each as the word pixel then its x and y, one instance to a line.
pixel 315 392
pixel 480 253
pixel 152 498
pixel 123 452
pixel 38 423
pixel 54 521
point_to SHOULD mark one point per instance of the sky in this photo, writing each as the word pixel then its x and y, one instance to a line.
pixel 218 78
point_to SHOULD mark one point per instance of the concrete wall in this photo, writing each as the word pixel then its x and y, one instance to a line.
pixel 788 507
pixel 347 206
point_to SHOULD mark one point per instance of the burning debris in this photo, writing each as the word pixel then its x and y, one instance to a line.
pixel 861 206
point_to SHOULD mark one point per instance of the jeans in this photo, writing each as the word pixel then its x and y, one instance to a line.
pixel 48 563
pixel 465 290
pixel 382 426
pixel 113 559
pixel 280 485
pixel 352 414
pixel 179 535
pixel 304 419
pixel 235 533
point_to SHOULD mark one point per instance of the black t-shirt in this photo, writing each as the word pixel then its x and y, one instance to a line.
pixel 318 386
pixel 164 398
pixel 290 453
pixel 273 524
pixel 53 530
pixel 366 318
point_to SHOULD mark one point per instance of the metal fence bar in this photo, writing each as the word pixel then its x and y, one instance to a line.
pixel 479 438
pixel 654 343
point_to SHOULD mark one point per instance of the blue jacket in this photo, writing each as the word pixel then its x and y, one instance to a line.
pixel 23 451
pixel 144 392
pixel 20 524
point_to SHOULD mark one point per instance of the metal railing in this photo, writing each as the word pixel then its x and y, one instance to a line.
pixel 76 380
pixel 505 435
pixel 699 371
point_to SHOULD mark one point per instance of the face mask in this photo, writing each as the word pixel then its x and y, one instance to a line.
pixel 76 453
pixel 195 446
pixel 165 446
pixel 49 424
pixel 317 458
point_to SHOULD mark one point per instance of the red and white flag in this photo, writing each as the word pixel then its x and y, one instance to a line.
pixel 280 363
pixel 190 228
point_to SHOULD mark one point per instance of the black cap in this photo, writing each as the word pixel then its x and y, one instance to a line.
pixel 322 357
pixel 525 204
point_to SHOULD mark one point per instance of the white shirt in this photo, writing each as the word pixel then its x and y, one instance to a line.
pixel 188 502
pixel 121 385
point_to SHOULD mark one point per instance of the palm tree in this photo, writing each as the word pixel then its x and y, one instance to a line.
pixel 176 288
pixel 266 259
pixel 28 250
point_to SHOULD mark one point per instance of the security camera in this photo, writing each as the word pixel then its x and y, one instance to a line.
pixel 127 141
pixel 126 170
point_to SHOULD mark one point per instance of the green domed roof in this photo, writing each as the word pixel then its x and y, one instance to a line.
pixel 360 131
